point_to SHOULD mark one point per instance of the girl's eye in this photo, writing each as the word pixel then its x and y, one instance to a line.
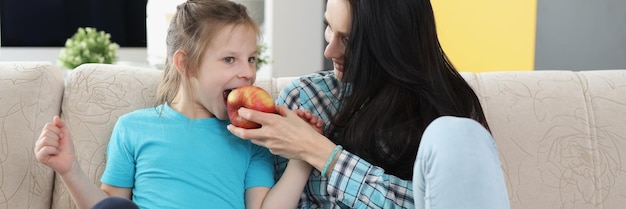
pixel 252 60
pixel 229 60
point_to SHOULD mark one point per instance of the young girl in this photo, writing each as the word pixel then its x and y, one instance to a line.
pixel 179 154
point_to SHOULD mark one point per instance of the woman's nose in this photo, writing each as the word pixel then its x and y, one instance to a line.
pixel 334 49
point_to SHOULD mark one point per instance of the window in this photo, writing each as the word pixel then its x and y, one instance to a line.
pixel 51 22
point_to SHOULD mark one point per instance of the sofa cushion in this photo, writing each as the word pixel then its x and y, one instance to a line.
pixel 561 136
pixel 96 95
pixel 30 96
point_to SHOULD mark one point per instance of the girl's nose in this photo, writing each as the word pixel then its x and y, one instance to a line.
pixel 248 71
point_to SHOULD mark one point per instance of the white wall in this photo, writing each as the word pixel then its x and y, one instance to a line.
pixel 293 32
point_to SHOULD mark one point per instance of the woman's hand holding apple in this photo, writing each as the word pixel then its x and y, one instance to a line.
pixel 285 134
pixel 249 96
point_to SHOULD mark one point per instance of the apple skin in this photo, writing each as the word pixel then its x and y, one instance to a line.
pixel 248 96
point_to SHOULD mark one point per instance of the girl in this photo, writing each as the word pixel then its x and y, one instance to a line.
pixel 404 129
pixel 179 154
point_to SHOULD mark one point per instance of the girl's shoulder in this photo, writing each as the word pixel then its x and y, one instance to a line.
pixel 145 114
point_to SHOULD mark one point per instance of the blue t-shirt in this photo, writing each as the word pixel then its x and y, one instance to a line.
pixel 171 161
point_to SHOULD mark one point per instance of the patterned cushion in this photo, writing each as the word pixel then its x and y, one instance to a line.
pixel 30 95
pixel 96 95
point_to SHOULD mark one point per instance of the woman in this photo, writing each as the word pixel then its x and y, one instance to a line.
pixel 403 128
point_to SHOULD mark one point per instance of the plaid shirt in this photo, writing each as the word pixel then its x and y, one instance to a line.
pixel 353 183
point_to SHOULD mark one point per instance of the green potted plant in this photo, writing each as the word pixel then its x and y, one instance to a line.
pixel 88 45
pixel 262 58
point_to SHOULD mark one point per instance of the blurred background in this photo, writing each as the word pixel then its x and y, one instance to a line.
pixel 478 36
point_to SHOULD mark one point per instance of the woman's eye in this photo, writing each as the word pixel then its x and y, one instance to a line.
pixel 344 40
pixel 229 60
pixel 327 34
pixel 252 60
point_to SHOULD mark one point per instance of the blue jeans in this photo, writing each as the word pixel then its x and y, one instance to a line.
pixel 115 203
pixel 457 166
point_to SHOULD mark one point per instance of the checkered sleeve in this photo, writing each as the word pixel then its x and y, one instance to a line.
pixel 354 182
pixel 316 92
pixel 358 184
pixel 290 95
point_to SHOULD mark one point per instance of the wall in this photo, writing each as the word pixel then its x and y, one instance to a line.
pixel 487 35
pixel 581 34
pixel 293 31
pixel 494 35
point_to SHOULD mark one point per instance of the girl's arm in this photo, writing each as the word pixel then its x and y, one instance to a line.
pixel 85 194
pixel 55 149
pixel 286 193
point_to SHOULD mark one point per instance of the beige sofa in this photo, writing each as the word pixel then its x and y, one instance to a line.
pixel 561 134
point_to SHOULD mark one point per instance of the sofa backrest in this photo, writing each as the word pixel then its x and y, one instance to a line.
pixel 561 134
pixel 96 95
pixel 30 95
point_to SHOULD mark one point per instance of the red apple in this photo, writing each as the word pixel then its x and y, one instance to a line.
pixel 252 97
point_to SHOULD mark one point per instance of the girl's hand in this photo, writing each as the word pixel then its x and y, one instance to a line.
pixel 54 147
pixel 313 120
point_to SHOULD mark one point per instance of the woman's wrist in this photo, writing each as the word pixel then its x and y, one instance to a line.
pixel 318 153
pixel 330 163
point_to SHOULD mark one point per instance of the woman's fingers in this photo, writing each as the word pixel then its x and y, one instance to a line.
pixel 243 132
pixel 284 133
pixel 257 116
pixel 283 110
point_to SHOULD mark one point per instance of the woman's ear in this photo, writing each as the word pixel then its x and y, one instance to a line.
pixel 180 62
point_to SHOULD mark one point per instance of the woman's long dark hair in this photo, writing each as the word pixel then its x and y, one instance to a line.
pixel 399 80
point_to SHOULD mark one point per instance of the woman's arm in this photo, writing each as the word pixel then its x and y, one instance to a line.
pixel 293 139
pixel 319 94
pixel 357 183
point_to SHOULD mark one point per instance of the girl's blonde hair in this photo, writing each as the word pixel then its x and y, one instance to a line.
pixel 191 29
